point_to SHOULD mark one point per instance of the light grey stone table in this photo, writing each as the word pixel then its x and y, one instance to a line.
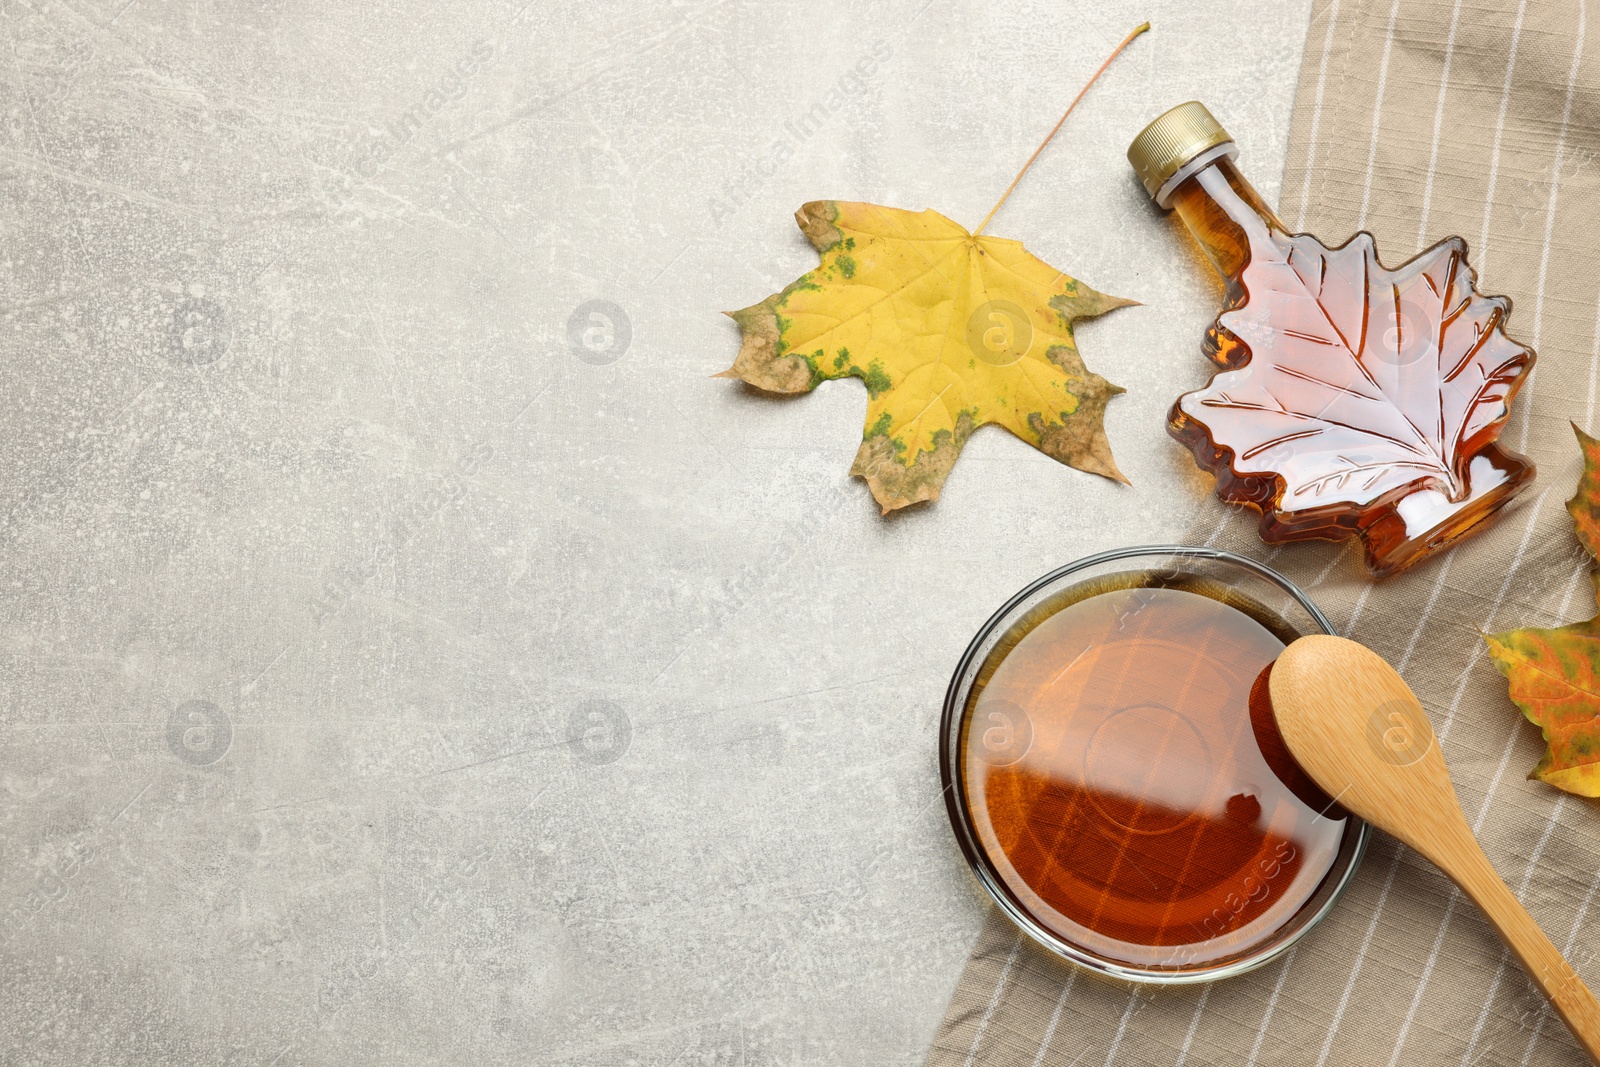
pixel 387 678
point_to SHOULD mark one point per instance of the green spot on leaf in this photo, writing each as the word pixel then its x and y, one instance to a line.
pixel 876 378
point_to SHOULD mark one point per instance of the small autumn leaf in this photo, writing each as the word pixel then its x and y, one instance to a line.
pixel 947 329
pixel 1554 674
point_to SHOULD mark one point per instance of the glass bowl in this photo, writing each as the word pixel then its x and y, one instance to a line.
pixel 1113 775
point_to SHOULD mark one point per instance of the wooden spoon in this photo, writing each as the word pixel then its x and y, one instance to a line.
pixel 1354 726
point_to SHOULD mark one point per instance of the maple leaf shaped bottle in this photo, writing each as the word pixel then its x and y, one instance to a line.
pixel 1353 399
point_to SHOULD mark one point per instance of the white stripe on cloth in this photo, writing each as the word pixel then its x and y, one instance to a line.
pixel 1499 599
pixel 1361 956
pixel 1572 584
pixel 1550 219
pixel 1355 613
pixel 1594 366
pixel 1438 123
pixel 1055 1019
pixel 1333 560
pixel 1222 524
pixel 1455 898
pixel 1377 114
pixel 1572 940
pixel 1122 1027
pixel 1272 1006
pixel 1505 953
pixel 1316 114
pixel 994 1002
pixel 1427 971
pixel 1194 1023
pixel 1499 130
pixel 1427 613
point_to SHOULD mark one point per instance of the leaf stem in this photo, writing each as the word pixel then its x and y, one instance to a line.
pixel 1118 51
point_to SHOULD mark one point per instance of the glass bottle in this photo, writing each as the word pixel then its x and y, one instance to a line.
pixel 1376 395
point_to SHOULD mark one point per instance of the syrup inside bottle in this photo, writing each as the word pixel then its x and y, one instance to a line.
pixel 1353 399
pixel 1123 773
pixel 1226 216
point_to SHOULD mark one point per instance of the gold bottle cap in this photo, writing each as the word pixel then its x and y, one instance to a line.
pixel 1172 141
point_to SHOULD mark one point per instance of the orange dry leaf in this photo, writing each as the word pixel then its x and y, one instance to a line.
pixel 1554 674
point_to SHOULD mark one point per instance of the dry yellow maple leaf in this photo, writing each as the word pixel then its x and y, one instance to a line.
pixel 948 330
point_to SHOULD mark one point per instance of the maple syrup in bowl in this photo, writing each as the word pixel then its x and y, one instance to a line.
pixel 1115 777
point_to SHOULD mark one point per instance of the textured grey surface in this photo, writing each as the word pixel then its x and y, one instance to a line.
pixel 322 543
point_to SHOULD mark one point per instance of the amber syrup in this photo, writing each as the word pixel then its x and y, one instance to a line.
pixel 1121 767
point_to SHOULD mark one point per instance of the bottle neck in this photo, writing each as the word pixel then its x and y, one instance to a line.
pixel 1225 214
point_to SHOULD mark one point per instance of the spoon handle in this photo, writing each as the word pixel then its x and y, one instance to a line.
pixel 1543 961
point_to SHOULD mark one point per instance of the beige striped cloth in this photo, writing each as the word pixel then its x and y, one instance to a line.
pixel 1415 119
